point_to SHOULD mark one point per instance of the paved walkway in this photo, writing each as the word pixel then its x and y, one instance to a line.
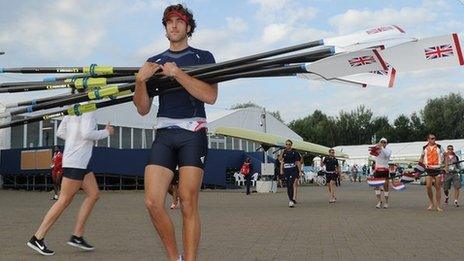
pixel 256 227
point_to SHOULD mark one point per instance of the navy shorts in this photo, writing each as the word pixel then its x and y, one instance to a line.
pixel 329 176
pixel 433 172
pixel 76 174
pixel 179 147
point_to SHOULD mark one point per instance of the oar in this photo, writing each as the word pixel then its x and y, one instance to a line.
pixel 424 54
pixel 328 68
pixel 308 56
pixel 368 35
pixel 92 70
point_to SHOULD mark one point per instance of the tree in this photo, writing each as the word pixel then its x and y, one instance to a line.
pixel 444 116
pixel 402 129
pixel 251 104
pixel 244 105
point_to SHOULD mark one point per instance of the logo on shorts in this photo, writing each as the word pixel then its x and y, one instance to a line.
pixel 202 158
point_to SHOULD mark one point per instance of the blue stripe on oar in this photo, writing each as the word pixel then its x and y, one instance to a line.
pixel 49 79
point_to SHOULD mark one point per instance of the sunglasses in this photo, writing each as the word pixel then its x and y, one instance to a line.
pixel 450 149
pixel 288 144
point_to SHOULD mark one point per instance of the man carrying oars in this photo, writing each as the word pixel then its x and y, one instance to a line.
pixel 181 132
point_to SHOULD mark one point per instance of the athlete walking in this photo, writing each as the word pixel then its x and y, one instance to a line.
pixel 332 170
pixel 381 171
pixel 79 133
pixel 432 158
pixel 181 132
pixel 291 168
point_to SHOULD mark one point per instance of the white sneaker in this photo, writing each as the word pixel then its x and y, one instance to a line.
pixel 385 205
pixel 379 205
pixel 291 204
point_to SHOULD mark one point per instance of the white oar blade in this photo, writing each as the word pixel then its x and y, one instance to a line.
pixel 368 35
pixel 429 53
pixel 381 78
pixel 381 44
pixel 344 64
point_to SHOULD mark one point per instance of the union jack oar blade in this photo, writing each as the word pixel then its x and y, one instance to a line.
pixel 344 64
pixel 423 54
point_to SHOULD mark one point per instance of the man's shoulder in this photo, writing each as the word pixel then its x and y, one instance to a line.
pixel 200 51
pixel 156 57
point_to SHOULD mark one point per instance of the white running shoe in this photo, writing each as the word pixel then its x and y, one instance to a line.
pixel 291 204
pixel 379 205
pixel 385 206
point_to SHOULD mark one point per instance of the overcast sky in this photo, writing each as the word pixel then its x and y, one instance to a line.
pixel 125 33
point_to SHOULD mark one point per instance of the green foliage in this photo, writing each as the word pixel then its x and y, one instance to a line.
pixel 442 116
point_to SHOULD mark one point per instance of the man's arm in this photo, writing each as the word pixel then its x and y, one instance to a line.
pixel 201 90
pixel 141 99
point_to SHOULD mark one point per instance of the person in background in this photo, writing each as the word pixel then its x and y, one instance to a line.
pixel 290 167
pixel 432 158
pixel 80 134
pixel 246 171
pixel 381 171
pixel 452 175
pixel 332 171
pixel 57 171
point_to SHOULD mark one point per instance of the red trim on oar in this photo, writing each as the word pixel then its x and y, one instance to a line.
pixel 399 29
pixel 458 49
pixel 392 78
pixel 382 62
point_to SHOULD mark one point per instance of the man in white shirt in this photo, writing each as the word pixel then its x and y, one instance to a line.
pixel 79 133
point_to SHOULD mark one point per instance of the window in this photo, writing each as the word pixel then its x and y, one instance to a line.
pixel 102 142
pixel 126 138
pixel 17 134
pixel 33 134
pixel 236 143
pixel 137 138
pixel 114 139
pixel 229 143
pixel 149 137
pixel 48 133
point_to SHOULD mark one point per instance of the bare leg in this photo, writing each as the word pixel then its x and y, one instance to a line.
pixel 68 189
pixel 90 187
pixel 377 194
pixel 438 192
pixel 190 179
pixel 332 188
pixel 386 190
pixel 157 180
pixel 428 185
pixel 456 194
